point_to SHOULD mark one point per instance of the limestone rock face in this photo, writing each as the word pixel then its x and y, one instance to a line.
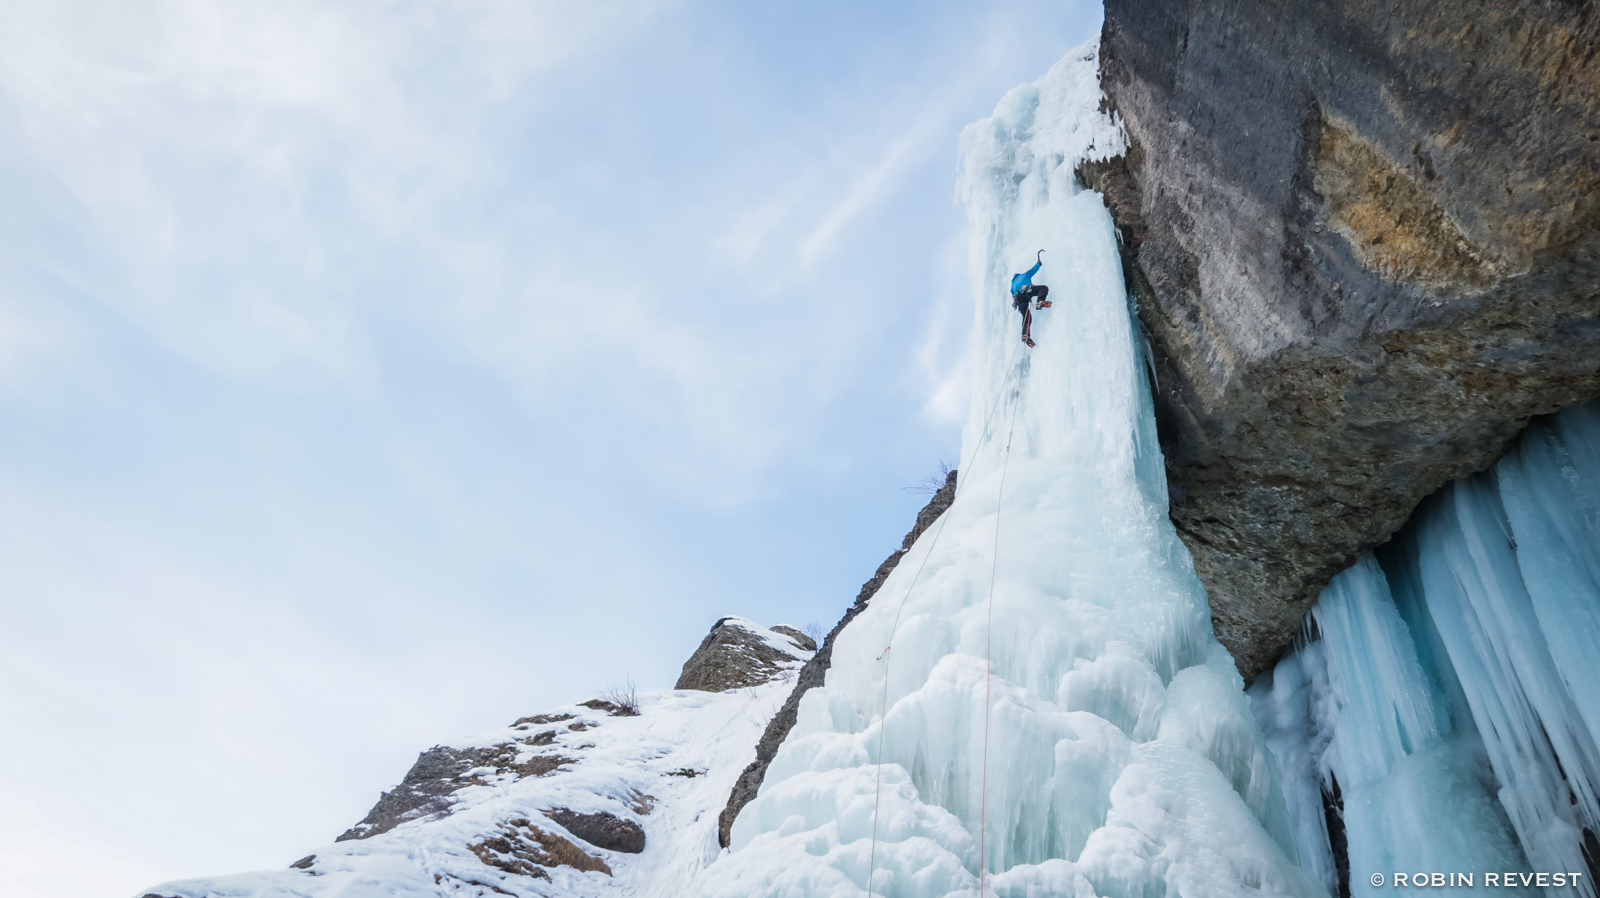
pixel 1364 241
pixel 737 654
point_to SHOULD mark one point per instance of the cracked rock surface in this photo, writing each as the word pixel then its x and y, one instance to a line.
pixel 738 654
pixel 1363 239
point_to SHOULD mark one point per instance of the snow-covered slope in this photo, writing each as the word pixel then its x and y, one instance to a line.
pixel 1122 755
pixel 665 772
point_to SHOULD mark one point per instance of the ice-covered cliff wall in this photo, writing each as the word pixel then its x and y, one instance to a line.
pixel 1050 626
pixel 1366 243
pixel 1447 692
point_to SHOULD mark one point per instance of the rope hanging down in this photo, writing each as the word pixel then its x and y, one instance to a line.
pixel 988 663
pixel 895 626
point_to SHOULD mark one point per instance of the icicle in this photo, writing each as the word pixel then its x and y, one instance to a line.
pixel 1485 658
pixel 1413 799
pixel 1282 699
pixel 1550 484
pixel 1541 748
pixel 1387 709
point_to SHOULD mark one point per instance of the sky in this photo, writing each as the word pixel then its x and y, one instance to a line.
pixel 375 374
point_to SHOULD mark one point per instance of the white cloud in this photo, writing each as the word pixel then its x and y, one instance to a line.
pixel 247 169
pixel 263 187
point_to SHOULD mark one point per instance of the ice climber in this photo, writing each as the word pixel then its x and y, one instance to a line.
pixel 1024 289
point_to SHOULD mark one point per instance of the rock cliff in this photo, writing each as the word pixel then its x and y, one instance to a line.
pixel 1363 239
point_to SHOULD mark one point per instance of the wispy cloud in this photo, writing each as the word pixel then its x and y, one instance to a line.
pixel 871 188
pixel 244 171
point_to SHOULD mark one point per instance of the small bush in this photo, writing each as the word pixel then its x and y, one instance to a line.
pixel 624 698
pixel 928 486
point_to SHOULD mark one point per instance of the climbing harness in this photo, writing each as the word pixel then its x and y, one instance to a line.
pixel 944 519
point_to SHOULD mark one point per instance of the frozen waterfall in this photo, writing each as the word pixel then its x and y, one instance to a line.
pixel 1122 755
pixel 1446 692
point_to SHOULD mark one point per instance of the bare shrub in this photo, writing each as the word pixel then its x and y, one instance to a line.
pixel 625 698
pixel 928 485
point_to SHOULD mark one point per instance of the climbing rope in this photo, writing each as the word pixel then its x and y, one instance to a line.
pixel 944 519
pixel 988 663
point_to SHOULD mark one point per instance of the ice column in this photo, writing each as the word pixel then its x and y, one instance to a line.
pixel 1479 679
pixel 1550 484
pixel 1286 704
pixel 1542 751
pixel 1380 736
pixel 1122 757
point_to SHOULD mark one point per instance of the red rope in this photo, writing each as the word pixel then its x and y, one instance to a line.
pixel 988 666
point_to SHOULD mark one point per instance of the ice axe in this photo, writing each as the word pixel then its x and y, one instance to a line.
pixel 1038 259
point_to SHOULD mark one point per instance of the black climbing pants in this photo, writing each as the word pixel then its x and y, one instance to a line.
pixel 1022 301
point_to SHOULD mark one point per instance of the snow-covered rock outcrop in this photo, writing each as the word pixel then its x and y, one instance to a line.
pixel 586 799
pixel 738 653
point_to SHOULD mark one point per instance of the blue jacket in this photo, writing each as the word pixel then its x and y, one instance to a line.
pixel 1025 279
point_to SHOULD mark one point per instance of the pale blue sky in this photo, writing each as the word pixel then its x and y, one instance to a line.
pixel 372 374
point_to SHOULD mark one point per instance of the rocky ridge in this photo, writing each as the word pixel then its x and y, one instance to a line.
pixel 617 794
